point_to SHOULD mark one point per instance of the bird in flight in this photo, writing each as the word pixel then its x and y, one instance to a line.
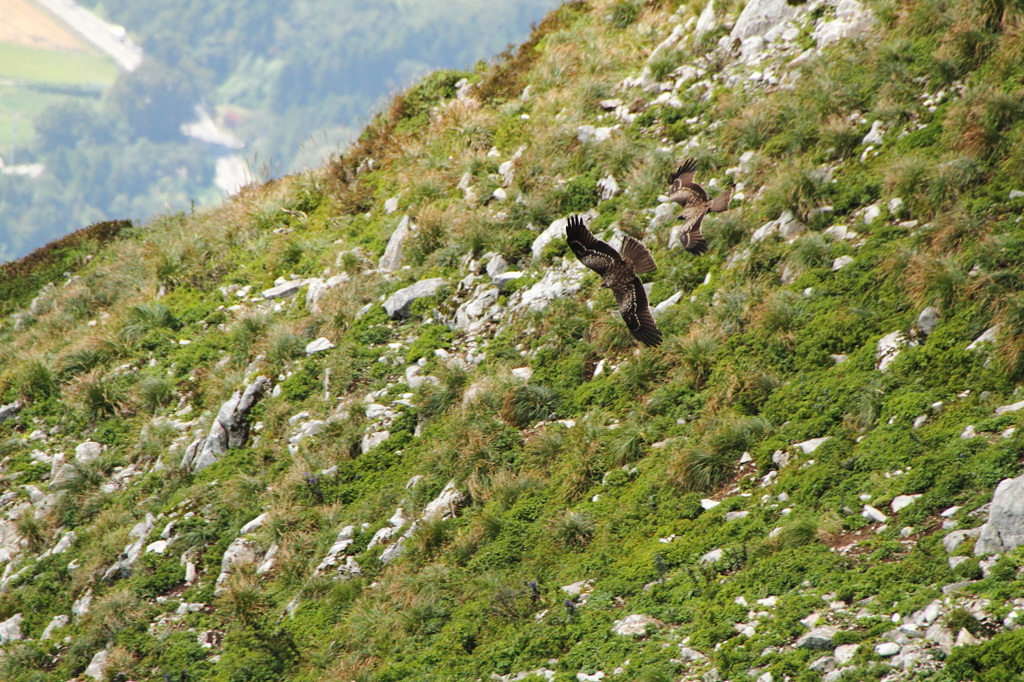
pixel 619 273
pixel 696 205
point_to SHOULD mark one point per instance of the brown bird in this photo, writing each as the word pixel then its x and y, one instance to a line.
pixel 619 273
pixel 694 201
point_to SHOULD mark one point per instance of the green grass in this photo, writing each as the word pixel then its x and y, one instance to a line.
pixel 22 63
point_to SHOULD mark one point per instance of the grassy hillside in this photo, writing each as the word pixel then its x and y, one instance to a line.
pixel 485 488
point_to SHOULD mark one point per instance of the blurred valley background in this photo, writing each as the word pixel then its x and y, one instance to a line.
pixel 121 109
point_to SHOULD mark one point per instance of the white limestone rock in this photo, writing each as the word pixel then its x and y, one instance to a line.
pixel 318 346
pixel 55 623
pixel 372 440
pixel 1004 530
pixel 398 304
pixel 285 289
pixel 760 16
pixel 392 258
pixel 10 629
pixel 318 288
pixel 97 668
pixel 889 346
pixel 901 502
pixel 818 638
pixel 990 335
pixel 635 625
pixel 554 231
pixel 230 428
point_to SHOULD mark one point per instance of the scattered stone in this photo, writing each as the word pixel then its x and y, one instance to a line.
pixel 889 346
pixel 1004 530
pixel 87 452
pixel 902 502
pixel 10 629
pixel 285 289
pixel 953 540
pixel 969 432
pixel 391 205
pixel 372 440
pixel 990 335
pixel 318 288
pixel 841 262
pixel 688 655
pixel 872 514
pixel 398 304
pixel 97 667
pixel 823 665
pixel 887 649
pixel 874 137
pixel 523 373
pixel 712 556
pixel 1006 409
pixel 707 504
pixel 9 410
pixel 56 623
pixel 965 638
pixel 318 346
pixel 735 515
pixel 392 258
pixel 241 552
pixel 818 638
pixel 635 625
pixel 928 320
pixel 809 446
pixel 844 653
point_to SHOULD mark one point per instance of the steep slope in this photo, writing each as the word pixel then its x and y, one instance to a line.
pixel 375 422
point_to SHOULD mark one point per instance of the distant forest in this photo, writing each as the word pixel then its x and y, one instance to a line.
pixel 299 78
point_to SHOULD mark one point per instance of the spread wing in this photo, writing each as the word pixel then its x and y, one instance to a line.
pixel 591 251
pixel 637 255
pixel 684 174
pixel 690 236
pixel 636 313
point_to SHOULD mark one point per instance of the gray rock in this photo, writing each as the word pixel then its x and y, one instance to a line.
pixel 285 289
pixel 824 664
pixel 392 258
pixel 398 303
pixel 9 411
pixel 255 524
pixel 87 452
pixel 872 514
pixel 372 440
pixel 318 346
pixel 230 428
pixel 954 588
pixel 844 653
pixel 496 265
pixel 837 675
pixel 1006 409
pixel 760 16
pixel 635 624
pixel 818 638
pixel 55 623
pixel 928 320
pixel 706 22
pixel 875 135
pixel 97 667
pixel 1004 530
pixel 470 313
pixel 712 556
pixel 504 279
pixel 10 629
pixel 241 552
pixel 902 502
pixel 953 540
pixel 554 231
pixel 887 649
pixel 889 346
pixel 445 505
pixel 990 335
pixel 80 606
pixel 318 288
pixel 735 515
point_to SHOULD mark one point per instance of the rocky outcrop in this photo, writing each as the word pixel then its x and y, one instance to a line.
pixel 1004 530
pixel 760 16
pixel 9 411
pixel 231 426
pixel 241 552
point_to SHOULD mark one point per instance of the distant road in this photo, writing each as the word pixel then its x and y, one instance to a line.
pixel 108 38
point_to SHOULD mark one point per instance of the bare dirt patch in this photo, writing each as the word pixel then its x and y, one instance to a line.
pixel 22 23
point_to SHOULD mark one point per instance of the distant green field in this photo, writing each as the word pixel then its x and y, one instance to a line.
pixel 60 68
